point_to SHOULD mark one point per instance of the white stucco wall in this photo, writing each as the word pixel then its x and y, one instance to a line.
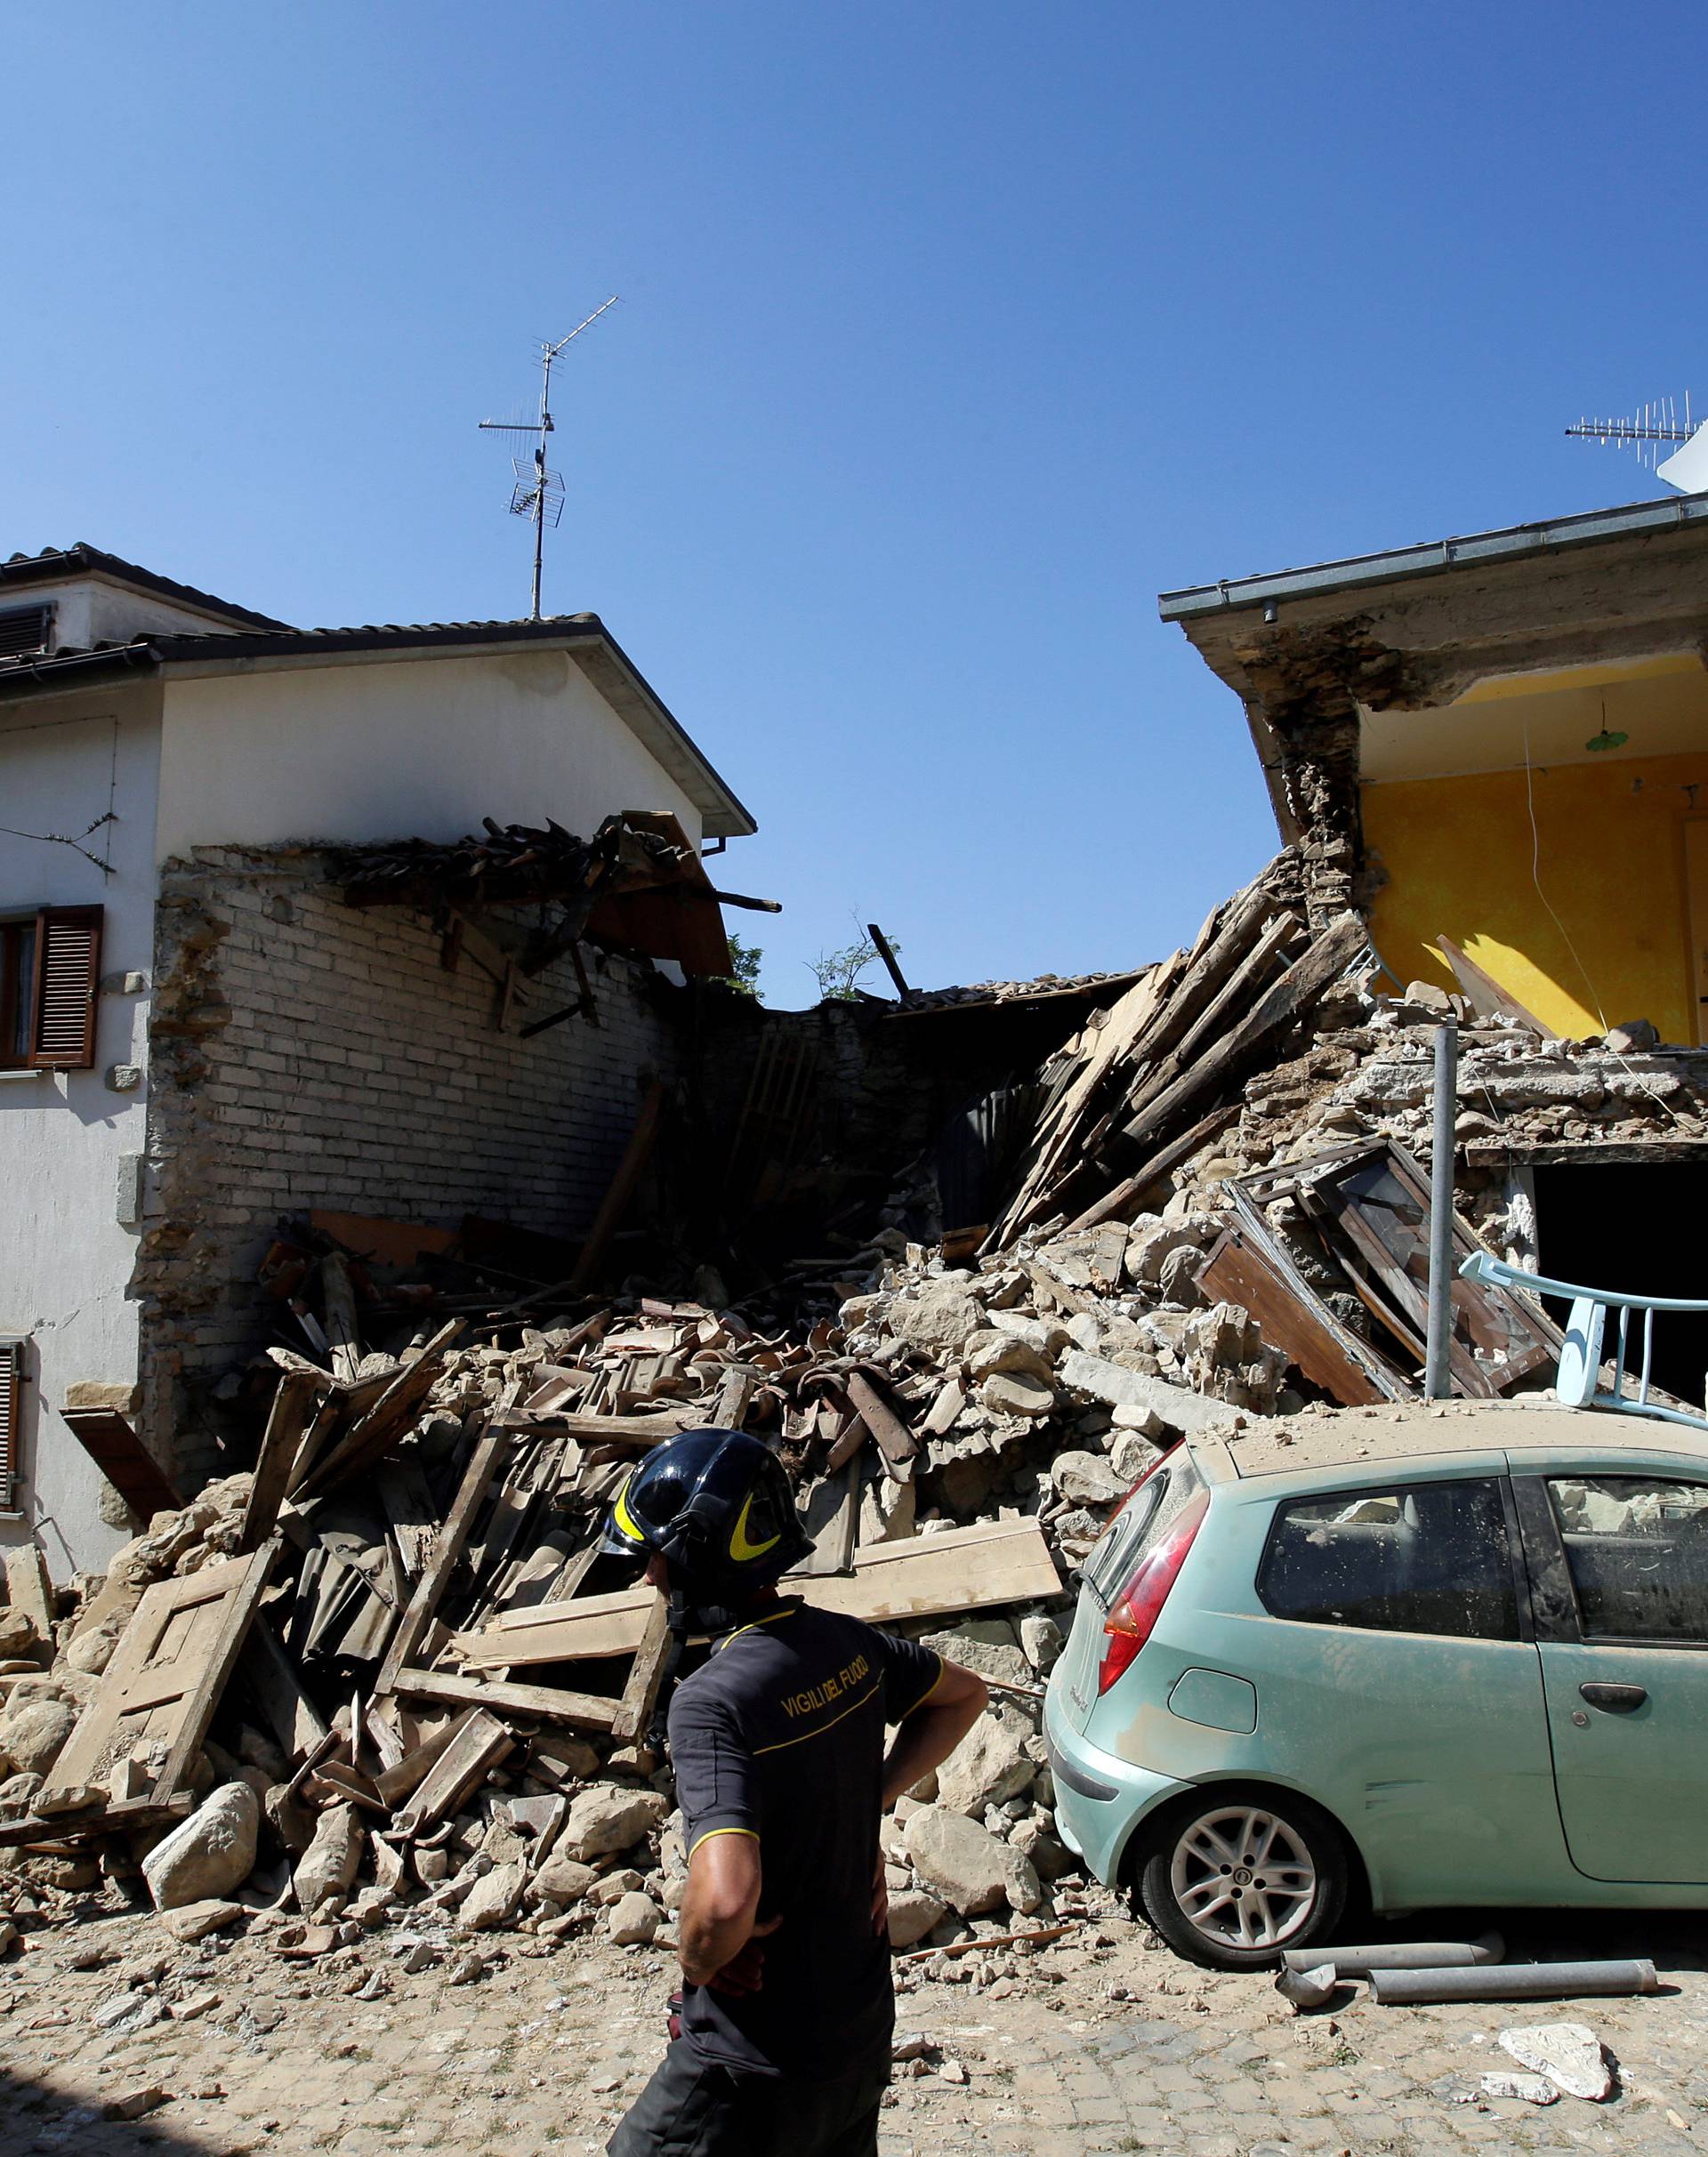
pixel 65 1258
pixel 89 610
pixel 411 748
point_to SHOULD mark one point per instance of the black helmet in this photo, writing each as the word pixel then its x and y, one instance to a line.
pixel 717 1507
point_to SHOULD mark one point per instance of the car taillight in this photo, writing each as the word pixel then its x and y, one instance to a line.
pixel 1136 1609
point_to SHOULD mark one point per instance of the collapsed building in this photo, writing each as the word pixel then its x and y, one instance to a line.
pixel 967 1259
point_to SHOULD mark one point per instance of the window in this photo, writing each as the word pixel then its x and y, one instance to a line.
pixel 50 970
pixel 1152 1505
pixel 1637 1549
pixel 12 1378
pixel 1420 1557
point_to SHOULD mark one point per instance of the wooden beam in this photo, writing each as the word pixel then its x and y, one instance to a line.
pixel 964 1569
pixel 342 1337
pixel 449 1547
pixel 1305 980
pixel 646 1674
pixel 372 1437
pixel 646 1430
pixel 533 1703
pixel 881 943
pixel 294 1399
pixel 1115 1204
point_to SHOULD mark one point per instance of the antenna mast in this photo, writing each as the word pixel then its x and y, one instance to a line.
pixel 538 492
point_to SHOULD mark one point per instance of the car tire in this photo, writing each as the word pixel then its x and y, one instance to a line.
pixel 1216 1908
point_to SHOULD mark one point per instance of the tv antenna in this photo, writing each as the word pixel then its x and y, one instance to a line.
pixel 538 491
pixel 1646 431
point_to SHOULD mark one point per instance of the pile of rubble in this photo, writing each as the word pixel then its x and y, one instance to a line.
pixel 382 1679
pixel 385 1679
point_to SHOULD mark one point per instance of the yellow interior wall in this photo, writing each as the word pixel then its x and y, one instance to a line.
pixel 1457 855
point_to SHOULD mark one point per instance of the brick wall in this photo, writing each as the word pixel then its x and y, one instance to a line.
pixel 305 1054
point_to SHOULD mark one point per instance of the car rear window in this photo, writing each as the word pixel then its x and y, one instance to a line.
pixel 1418 1558
pixel 1146 1518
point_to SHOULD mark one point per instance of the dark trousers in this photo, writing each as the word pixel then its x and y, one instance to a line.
pixel 692 2108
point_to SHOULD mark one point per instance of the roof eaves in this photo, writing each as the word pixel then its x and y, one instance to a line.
pixel 1432 558
pixel 80 558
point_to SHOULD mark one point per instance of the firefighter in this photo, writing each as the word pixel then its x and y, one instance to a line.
pixel 782 2045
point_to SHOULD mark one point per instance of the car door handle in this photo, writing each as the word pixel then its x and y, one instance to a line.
pixel 1615 1699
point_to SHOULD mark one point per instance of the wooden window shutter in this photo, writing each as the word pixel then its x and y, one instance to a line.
pixel 67 974
pixel 11 1373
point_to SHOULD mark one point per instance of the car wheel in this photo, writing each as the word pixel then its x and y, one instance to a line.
pixel 1232 1880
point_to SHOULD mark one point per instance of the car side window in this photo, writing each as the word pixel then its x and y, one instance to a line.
pixel 1415 1558
pixel 1637 1549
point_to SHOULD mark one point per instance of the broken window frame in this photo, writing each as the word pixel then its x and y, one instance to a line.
pixel 1328 1214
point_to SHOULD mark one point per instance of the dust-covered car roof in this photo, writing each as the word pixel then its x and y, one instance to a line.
pixel 1410 1430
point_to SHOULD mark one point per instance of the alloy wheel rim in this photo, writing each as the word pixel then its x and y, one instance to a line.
pixel 1243 1878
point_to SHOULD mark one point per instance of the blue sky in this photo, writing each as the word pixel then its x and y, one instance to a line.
pixel 950 335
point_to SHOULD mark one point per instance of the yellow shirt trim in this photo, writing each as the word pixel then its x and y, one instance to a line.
pixel 783 1745
pixel 926 1694
pixel 789 1610
pixel 712 1834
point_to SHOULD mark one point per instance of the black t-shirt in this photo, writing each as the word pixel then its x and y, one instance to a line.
pixel 780 1734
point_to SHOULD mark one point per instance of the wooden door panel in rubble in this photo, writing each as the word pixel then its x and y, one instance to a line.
pixel 158 1693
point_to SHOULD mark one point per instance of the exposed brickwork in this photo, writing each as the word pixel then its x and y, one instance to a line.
pixel 304 1054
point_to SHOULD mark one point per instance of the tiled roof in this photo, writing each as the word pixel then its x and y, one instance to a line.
pixel 81 558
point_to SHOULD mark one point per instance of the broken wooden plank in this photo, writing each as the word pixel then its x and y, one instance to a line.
pixel 650 1430
pixel 459 1522
pixel 532 1703
pixel 1303 982
pixel 294 1400
pixel 477 1746
pixel 367 1441
pixel 158 1693
pixel 975 1568
pixel 1123 1200
pixel 396 1782
pixel 1247 1269
pixel 103 1428
pixel 646 1674
pixel 342 1337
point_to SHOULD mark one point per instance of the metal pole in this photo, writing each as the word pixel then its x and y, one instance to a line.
pixel 1417 1988
pixel 539 479
pixel 1437 1381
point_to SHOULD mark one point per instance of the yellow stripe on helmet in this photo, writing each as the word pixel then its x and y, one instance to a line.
pixel 624 1520
pixel 740 1548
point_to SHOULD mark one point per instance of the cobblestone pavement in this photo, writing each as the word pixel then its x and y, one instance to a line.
pixel 1090 2049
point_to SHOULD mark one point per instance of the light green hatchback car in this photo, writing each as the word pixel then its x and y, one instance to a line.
pixel 1456 1656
